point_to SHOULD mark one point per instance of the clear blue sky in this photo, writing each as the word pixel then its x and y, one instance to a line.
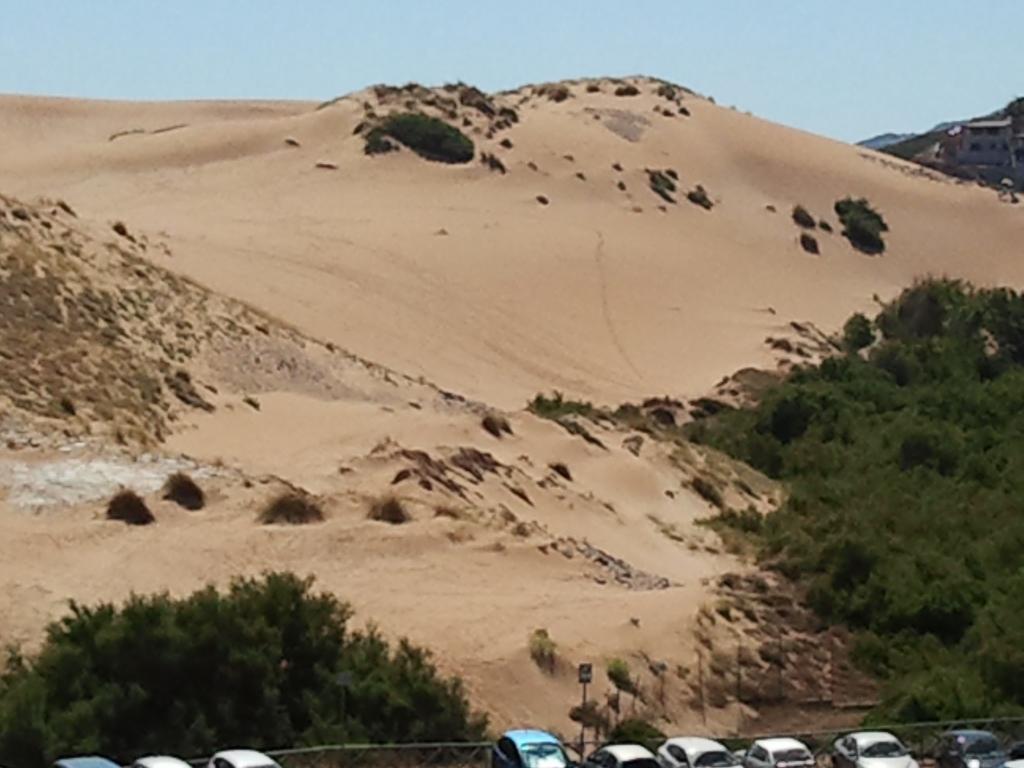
pixel 843 68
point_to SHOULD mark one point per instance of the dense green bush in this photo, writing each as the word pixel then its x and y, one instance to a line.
pixel 863 226
pixel 905 473
pixel 429 137
pixel 858 333
pixel 636 731
pixel 257 665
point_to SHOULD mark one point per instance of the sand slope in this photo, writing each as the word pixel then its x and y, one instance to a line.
pixel 584 294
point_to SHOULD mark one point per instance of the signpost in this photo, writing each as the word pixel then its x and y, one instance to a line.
pixel 586 676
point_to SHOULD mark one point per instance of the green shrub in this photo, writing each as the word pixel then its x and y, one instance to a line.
pixel 662 184
pixel 627 89
pixel 556 406
pixel 377 143
pixel 863 226
pixel 543 650
pixel 858 333
pixel 618 674
pixel 429 137
pixel 809 243
pixel 255 665
pixel 802 217
pixel 634 730
pixel 699 196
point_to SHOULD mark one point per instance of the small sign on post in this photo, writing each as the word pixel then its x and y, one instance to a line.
pixel 586 672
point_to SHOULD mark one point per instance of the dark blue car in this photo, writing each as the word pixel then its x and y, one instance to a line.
pixel 970 749
pixel 529 749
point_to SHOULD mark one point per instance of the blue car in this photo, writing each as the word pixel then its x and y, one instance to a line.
pixel 529 749
pixel 86 761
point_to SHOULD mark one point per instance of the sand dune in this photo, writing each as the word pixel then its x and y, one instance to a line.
pixel 450 279
pixel 584 294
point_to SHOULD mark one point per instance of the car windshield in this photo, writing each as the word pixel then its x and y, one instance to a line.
pixel 544 756
pixel 784 756
pixel 984 745
pixel 715 760
pixel 641 762
pixel 885 749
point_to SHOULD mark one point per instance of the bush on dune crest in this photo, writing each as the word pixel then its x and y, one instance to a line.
pixel 905 470
pixel 256 665
pixel 429 137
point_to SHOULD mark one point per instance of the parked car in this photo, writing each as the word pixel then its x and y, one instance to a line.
pixel 529 748
pixel 85 761
pixel 969 749
pixel 692 752
pixel 622 756
pixel 871 749
pixel 778 753
pixel 241 758
pixel 160 761
pixel 1015 756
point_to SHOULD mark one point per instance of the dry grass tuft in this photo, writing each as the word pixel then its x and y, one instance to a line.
pixel 388 509
pixel 128 507
pixel 184 491
pixel 559 468
pixel 292 508
pixel 495 424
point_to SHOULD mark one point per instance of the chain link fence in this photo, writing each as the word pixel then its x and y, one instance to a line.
pixel 921 738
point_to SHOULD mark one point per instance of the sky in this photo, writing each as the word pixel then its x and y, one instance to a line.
pixel 848 69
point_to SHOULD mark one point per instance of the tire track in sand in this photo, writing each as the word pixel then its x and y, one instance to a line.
pixel 613 333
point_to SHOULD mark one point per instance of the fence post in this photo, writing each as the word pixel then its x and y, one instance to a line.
pixel 700 686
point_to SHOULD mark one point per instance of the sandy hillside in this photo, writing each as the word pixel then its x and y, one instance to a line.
pixel 237 291
pixel 118 373
pixel 599 294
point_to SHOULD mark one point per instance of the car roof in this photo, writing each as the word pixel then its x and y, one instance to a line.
pixel 971 734
pixel 524 737
pixel 161 761
pixel 867 738
pixel 695 744
pixel 779 744
pixel 245 758
pixel 86 761
pixel 623 752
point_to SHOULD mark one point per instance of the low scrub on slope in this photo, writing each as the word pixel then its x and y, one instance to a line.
pixel 905 470
pixel 258 665
pixel 429 137
pixel 863 226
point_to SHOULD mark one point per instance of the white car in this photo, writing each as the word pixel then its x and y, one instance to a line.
pixel 871 749
pixel 693 752
pixel 778 753
pixel 622 756
pixel 241 758
pixel 160 761
pixel 1016 755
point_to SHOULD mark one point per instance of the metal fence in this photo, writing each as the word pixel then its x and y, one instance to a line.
pixel 920 738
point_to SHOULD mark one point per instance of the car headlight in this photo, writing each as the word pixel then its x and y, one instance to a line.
pixel 974 763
